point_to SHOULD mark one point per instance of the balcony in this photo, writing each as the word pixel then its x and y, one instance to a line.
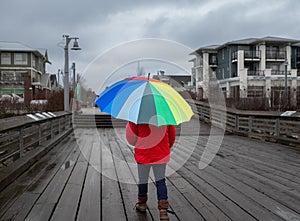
pixel 256 73
pixel 212 60
pixel 252 55
pixel 249 55
pixel 277 72
pixel 275 55
pixel 234 56
pixel 198 63
pixel 213 63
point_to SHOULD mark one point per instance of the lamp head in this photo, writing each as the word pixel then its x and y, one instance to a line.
pixel 75 45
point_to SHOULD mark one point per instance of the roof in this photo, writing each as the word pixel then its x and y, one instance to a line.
pixel 17 46
pixel 210 47
pixel 171 79
pixel 243 41
pixel 297 44
pixel 249 41
pixel 278 39
pixel 205 48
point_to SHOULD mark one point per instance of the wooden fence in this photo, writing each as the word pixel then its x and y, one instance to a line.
pixel 266 125
pixel 18 135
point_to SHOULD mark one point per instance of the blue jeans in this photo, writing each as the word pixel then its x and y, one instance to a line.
pixel 159 171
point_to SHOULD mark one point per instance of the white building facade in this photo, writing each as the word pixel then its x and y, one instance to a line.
pixel 266 67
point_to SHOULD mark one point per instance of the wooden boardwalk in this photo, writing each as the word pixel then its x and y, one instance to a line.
pixel 247 180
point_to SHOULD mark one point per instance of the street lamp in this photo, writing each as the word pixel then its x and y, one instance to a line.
pixel 285 83
pixel 66 78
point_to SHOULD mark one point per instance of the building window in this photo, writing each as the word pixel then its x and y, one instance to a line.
pixel 5 58
pixel 20 76
pixel 223 53
pixel 255 91
pixel 224 90
pixel 33 61
pixel 8 76
pixel 20 58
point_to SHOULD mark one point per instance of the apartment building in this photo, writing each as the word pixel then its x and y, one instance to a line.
pixel 266 67
pixel 23 70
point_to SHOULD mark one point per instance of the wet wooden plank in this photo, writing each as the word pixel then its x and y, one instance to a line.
pixel 256 203
pixel 276 160
pixel 288 182
pixel 182 208
pixel 90 204
pixel 259 148
pixel 54 165
pixel 67 205
pixel 220 200
pixel 127 153
pixel 21 207
pixel 285 196
pixel 44 207
pixel 112 203
pixel 239 184
pixel 37 177
pixel 40 212
pixel 205 207
pixel 128 190
pixel 266 182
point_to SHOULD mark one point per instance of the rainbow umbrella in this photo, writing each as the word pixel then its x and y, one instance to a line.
pixel 144 101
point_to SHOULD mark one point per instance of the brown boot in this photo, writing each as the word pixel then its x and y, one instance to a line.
pixel 163 207
pixel 141 204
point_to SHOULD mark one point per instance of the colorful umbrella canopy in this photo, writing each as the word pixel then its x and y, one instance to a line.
pixel 144 101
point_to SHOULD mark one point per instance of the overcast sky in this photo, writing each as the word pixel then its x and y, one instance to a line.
pixel 103 25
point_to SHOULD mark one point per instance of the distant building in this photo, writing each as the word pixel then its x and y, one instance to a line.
pixel 253 67
pixel 23 71
pixel 177 81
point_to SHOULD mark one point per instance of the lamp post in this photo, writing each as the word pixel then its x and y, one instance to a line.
pixel 74 87
pixel 74 77
pixel 66 77
pixel 285 84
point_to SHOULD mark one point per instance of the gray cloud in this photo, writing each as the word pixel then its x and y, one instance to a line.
pixel 101 25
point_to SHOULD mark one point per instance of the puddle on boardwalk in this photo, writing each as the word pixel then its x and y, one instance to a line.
pixel 67 164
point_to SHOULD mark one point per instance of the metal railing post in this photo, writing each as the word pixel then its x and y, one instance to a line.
pixel 250 123
pixel 40 134
pixel 51 129
pixel 277 127
pixel 70 120
pixel 65 123
pixel 21 141
pixel 59 126
pixel 236 122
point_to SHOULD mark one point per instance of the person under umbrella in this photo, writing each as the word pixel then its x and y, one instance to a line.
pixel 152 150
pixel 152 109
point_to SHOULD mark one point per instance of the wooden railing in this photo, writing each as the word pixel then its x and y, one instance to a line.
pixel 266 125
pixel 21 134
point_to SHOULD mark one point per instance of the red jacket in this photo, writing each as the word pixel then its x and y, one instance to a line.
pixel 152 143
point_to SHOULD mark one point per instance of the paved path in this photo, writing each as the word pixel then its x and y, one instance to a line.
pixel 247 180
